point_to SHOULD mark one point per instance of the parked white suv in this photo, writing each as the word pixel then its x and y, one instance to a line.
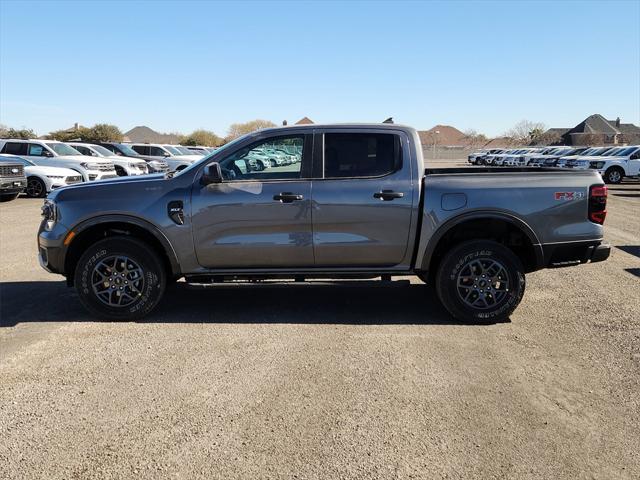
pixel 167 153
pixel 41 180
pixel 50 153
pixel 125 166
pixel 618 163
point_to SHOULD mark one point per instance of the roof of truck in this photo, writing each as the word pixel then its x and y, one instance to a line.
pixel 383 126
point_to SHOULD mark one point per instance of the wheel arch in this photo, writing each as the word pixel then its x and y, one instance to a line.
pixel 94 229
pixel 505 228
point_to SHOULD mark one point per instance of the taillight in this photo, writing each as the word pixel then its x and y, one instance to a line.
pixel 597 203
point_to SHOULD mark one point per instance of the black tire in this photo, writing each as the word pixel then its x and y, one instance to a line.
pixel 148 276
pixel 613 175
pixel 121 172
pixel 501 293
pixel 35 188
pixel 8 197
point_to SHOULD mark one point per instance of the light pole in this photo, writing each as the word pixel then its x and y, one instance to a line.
pixel 435 140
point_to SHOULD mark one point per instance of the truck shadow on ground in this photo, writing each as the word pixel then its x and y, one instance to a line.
pixel 352 304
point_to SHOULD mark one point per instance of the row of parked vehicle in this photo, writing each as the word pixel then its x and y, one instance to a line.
pixel 613 163
pixel 39 166
pixel 48 164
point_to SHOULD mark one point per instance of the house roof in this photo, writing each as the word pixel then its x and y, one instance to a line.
pixel 304 121
pixel 144 134
pixel 447 135
pixel 556 131
pixel 595 123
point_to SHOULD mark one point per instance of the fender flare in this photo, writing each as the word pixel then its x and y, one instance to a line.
pixel 481 215
pixel 138 222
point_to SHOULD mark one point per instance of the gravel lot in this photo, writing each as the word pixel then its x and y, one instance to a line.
pixel 317 381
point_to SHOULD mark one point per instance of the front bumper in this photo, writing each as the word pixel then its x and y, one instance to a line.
pixel 9 185
pixel 51 248
pixel 569 254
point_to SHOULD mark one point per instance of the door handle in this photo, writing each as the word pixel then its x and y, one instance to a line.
pixel 287 197
pixel 387 195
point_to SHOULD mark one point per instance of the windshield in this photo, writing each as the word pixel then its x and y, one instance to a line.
pixel 103 152
pixel 172 150
pixel 127 150
pixel 62 149
pixel 184 150
pixel 625 151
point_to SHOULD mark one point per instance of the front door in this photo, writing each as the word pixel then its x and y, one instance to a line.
pixel 260 215
pixel 363 200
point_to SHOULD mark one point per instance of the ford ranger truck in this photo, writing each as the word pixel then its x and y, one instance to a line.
pixel 357 203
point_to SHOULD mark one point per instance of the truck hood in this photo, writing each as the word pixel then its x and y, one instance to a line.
pixel 191 158
pixel 111 181
pixel 53 171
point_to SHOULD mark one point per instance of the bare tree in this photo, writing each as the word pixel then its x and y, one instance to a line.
pixel 474 139
pixel 526 131
pixel 239 129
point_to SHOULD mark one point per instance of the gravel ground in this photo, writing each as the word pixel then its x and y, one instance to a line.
pixel 318 381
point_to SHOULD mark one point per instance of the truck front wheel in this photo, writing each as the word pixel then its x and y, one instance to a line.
pixel 480 281
pixel 613 175
pixel 120 278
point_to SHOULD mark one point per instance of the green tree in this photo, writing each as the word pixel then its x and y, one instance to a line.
pixel 238 129
pixel 101 132
pixel 23 133
pixel 202 137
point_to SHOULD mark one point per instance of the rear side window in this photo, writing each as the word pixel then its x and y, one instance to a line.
pixel 15 148
pixel 361 154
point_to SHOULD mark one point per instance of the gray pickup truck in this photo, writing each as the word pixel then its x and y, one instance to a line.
pixel 356 202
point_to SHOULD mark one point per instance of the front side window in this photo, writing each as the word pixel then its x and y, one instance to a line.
pixel 15 148
pixel 158 152
pixel 83 150
pixel 266 160
pixel 360 154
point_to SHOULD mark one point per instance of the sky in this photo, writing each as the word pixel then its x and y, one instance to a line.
pixel 176 66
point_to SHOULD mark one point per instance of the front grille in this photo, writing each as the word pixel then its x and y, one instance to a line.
pixel 105 167
pixel 11 170
pixel 73 179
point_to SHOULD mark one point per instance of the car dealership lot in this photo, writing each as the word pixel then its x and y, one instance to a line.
pixel 360 381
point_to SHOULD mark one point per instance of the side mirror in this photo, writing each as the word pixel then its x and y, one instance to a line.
pixel 212 173
pixel 46 153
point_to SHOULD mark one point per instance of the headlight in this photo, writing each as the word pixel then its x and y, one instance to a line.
pixel 49 214
pixel 55 177
pixel 133 165
pixel 596 165
pixel 89 166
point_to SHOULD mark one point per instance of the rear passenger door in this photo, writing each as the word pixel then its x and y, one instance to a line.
pixel 362 198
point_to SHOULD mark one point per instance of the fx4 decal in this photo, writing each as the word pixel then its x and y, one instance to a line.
pixel 569 195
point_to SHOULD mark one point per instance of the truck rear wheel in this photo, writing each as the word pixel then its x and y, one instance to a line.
pixel 480 281
pixel 120 278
